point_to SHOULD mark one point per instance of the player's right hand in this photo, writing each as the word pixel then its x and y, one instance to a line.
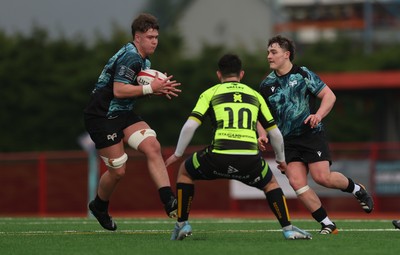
pixel 262 143
pixel 172 159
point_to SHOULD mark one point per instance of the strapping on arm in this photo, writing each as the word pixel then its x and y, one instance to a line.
pixel 186 136
pixel 276 140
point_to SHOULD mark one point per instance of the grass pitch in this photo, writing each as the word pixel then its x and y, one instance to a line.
pixel 68 236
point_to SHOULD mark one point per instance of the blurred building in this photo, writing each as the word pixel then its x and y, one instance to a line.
pixel 248 24
pixel 312 20
pixel 232 23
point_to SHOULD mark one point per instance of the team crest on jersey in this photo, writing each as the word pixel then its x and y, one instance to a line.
pixel 122 70
pixel 292 83
pixel 273 89
pixel 126 72
pixel 237 97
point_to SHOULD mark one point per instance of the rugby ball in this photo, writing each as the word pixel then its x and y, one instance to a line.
pixel 145 77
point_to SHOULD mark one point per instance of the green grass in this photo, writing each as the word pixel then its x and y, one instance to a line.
pixel 210 236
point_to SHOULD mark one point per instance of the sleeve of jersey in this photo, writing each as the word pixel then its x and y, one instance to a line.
pixel 127 67
pixel 314 82
pixel 202 106
pixel 265 116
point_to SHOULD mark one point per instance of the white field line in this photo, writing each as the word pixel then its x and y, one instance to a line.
pixel 155 231
pixel 85 221
pixel 68 221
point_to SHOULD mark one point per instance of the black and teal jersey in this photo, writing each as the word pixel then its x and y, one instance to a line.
pixel 292 98
pixel 234 109
pixel 122 67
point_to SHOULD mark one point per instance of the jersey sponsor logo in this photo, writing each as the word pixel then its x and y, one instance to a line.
pixel 235 136
pixel 235 86
pixel 232 176
pixel 112 136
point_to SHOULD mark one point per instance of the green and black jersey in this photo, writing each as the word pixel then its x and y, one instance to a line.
pixel 234 109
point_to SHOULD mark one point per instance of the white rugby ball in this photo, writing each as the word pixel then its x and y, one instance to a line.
pixel 146 76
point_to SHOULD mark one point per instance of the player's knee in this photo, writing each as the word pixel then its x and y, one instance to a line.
pixel 322 180
pixel 302 190
pixel 118 174
pixel 183 175
pixel 139 136
pixel 297 182
pixel 271 185
pixel 153 147
pixel 115 163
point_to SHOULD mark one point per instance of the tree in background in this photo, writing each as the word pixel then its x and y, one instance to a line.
pixel 45 85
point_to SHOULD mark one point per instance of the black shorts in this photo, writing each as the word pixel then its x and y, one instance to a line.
pixel 107 132
pixel 248 169
pixel 308 148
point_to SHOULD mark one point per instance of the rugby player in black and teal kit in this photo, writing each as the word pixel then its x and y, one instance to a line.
pixel 291 93
pixel 234 109
pixel 111 121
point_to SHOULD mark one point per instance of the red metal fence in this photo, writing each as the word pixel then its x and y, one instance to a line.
pixel 48 183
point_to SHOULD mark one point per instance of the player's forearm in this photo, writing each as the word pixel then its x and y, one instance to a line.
pixel 122 90
pixel 260 130
pixel 185 136
pixel 328 100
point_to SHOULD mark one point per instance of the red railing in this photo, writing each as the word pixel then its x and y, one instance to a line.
pixel 42 179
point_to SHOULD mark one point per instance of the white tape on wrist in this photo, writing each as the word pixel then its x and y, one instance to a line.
pixel 147 89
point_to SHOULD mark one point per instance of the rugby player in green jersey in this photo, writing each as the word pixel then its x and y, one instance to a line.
pixel 234 109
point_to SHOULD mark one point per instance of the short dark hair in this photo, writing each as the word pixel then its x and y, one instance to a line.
pixel 230 65
pixel 284 43
pixel 144 22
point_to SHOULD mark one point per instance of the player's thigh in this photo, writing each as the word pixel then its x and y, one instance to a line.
pixel 296 172
pixel 319 171
pixel 113 151
pixel 142 138
pixel 131 129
